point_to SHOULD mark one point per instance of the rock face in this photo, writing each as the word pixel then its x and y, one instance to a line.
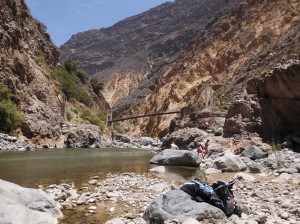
pixel 26 55
pixel 85 136
pixel 177 204
pixel 12 143
pixel 239 41
pixel 174 157
pixel 271 106
pixel 129 53
pixel 184 137
pixel 24 205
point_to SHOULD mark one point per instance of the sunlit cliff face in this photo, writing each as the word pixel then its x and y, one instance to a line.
pixel 243 43
pixel 167 57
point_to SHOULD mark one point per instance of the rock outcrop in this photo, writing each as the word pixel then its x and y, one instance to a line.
pixel 85 136
pixel 270 106
pixel 25 205
pixel 27 53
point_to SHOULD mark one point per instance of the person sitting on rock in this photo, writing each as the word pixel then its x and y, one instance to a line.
pixel 174 146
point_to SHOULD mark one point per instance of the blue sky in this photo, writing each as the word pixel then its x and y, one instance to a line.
pixel 64 18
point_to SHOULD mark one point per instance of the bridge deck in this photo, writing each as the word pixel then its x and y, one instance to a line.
pixel 145 115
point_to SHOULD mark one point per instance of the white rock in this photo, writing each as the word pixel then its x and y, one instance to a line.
pixel 92 208
pixel 158 169
pixel 115 221
pixel 244 176
pixel 212 171
pixel 112 209
pixel 190 221
pixel 93 182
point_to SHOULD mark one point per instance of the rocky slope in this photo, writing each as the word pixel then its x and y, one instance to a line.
pixel 26 55
pixel 244 42
pixel 232 42
pixel 27 59
pixel 130 52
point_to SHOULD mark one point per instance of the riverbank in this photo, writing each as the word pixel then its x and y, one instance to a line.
pixel 11 143
pixel 269 197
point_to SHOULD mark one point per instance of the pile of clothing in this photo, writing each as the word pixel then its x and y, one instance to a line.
pixel 218 194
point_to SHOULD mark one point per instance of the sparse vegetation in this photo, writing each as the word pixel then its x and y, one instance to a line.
pixel 81 114
pixel 96 119
pixel 10 117
pixel 276 150
pixel 97 86
pixel 69 116
pixel 71 83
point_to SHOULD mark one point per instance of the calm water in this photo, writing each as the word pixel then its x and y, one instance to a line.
pixel 31 169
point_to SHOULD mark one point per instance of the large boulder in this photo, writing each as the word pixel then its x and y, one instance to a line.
pixel 229 163
pixel 85 136
pixel 253 152
pixel 176 204
pixel 183 137
pixel 25 205
pixel 174 157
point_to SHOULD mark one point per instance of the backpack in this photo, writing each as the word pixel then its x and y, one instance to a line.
pixel 224 191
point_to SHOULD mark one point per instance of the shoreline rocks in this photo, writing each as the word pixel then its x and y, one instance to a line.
pixel 11 143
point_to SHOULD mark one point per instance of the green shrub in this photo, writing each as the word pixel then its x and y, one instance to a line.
pixel 83 77
pixel 10 117
pixel 96 86
pixel 96 119
pixel 70 66
pixel 72 88
pixel 69 116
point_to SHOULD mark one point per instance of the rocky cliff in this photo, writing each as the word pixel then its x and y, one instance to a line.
pixel 129 53
pixel 270 106
pixel 243 42
pixel 27 54
pixel 28 59
pixel 230 43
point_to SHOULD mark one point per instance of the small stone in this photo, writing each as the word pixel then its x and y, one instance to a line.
pixel 112 209
pixel 92 211
pixel 284 215
pixel 93 182
pixel 92 208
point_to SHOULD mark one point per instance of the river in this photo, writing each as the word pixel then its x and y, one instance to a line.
pixel 53 166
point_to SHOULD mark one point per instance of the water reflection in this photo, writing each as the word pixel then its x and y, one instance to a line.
pixel 181 174
pixel 69 165
pixel 46 167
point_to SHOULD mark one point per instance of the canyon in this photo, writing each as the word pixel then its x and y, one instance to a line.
pixel 157 61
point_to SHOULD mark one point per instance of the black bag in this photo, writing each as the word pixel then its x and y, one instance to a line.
pixel 219 194
pixel 225 193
